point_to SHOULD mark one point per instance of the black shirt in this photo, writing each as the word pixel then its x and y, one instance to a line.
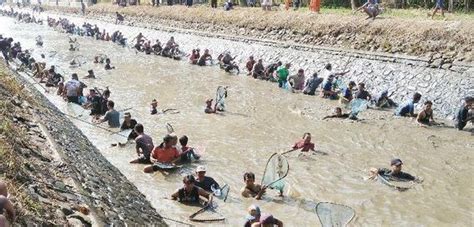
pixel 362 95
pixel 462 114
pixel 207 183
pixel 96 105
pixel 132 124
pixel 185 197
pixel 400 175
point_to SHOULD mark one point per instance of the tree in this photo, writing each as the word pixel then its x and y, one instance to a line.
pixel 466 5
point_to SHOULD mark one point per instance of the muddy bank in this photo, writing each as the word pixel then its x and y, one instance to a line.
pixel 56 176
pixel 437 42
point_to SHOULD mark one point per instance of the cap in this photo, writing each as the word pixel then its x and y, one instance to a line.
pixel 127 114
pixel 396 162
pixel 154 101
pixel 200 169
pixel 254 207
pixel 267 219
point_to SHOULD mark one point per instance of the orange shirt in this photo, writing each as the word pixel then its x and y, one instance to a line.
pixel 165 155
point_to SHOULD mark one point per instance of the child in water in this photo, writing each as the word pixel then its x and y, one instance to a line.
pixel 154 105
pixel 107 64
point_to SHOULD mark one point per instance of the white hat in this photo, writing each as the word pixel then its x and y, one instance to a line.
pixel 200 169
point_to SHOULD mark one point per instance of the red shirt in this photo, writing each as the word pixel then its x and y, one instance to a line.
pixel 304 146
pixel 165 155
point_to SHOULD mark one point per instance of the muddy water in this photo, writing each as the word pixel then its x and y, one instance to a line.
pixel 262 119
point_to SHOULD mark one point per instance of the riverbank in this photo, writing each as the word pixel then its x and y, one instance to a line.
pixel 439 42
pixel 54 174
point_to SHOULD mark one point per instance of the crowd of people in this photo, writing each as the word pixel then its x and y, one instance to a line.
pixel 169 152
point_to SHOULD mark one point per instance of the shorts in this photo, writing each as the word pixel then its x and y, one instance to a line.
pixel 73 99
pixel 439 4
pixel 144 160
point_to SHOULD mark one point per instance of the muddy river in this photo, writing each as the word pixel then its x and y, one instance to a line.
pixel 262 119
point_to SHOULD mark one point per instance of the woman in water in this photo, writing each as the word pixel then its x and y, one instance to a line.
pixel 425 117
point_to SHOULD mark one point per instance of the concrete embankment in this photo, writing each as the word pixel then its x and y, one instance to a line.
pixel 438 42
pixel 54 173
pixel 444 84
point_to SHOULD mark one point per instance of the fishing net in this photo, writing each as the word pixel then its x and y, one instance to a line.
pixel 221 94
pixel 169 128
pixel 166 166
pixel 221 193
pixel 277 168
pixel 394 182
pixel 331 214
pixel 358 105
pixel 207 214
pixel 78 60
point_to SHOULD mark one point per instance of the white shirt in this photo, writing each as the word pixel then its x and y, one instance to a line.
pixel 72 87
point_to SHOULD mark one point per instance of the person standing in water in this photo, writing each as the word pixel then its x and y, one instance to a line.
pixel 205 182
pixel 154 105
pixel 209 108
pixel 283 75
pixel 129 123
pixel 204 58
pixel 111 116
pixel 408 109
pixel 304 144
pixel 395 171
pixel 144 145
pixel 425 117
pixel 252 190
pixel 190 193
pixel 338 114
pixel 462 116
pixel 165 153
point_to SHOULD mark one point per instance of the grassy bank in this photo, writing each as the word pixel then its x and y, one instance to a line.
pixel 15 153
pixel 397 31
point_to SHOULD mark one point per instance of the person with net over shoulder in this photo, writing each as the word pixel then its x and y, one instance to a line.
pixel 251 189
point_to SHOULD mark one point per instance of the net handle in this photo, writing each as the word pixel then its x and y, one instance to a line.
pixel 191 217
pixel 169 128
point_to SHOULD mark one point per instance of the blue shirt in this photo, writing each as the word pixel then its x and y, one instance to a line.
pixel 327 86
pixel 347 93
pixel 407 108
